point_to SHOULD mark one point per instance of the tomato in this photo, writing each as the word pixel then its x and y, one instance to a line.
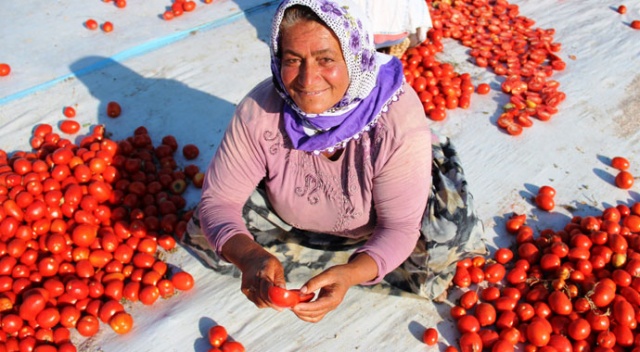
pixel 538 333
pixel 579 329
pixel 91 24
pixel 635 24
pixel 113 109
pixel 188 6
pixel 503 255
pixel 545 202
pixel 232 346
pixel 5 69
pixel 88 325
pixel 48 318
pixel 470 342
pixel 622 9
pixel 107 27
pixel 547 190
pixel 468 323
pixel 483 88
pixel 494 272
pixel 190 151
pixel 217 335
pixel 148 294
pixel 624 180
pixel 83 235
pixel 620 163
pixel 182 281
pixel 168 15
pixel 468 299
pixel 485 313
pixel 438 114
pixel 121 322
pixel 31 306
pixel 69 112
pixel 560 303
pixel 282 297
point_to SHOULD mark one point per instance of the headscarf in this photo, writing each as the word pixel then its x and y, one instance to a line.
pixel 375 80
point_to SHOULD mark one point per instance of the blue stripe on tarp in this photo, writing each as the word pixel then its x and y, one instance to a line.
pixel 139 50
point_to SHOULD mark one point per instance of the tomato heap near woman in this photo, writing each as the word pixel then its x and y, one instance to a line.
pixel 499 38
pixel 80 227
pixel 572 289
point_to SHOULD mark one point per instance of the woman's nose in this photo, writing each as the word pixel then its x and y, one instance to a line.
pixel 308 74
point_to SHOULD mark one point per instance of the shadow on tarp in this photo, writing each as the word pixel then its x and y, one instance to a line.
pixel 163 106
pixel 250 7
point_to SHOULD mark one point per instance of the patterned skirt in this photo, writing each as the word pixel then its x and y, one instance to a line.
pixel 450 231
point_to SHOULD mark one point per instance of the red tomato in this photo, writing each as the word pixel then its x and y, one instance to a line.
pixel 560 303
pixel 5 69
pixel 107 27
pixel 579 329
pixel 483 88
pixel 121 322
pixel 183 281
pixel 635 24
pixel 232 346
pixel 70 126
pixel 468 323
pixel 624 180
pixel 468 299
pixel 217 335
pixel 470 342
pixel 190 151
pixel 430 336
pixel 188 6
pixel 545 202
pixel 503 255
pixel 113 109
pixel 149 294
pixel 69 111
pixel 620 163
pixel 547 190
pixel 88 325
pixel 287 298
pixel 91 24
pixel 438 114
pixel 485 313
pixel 622 9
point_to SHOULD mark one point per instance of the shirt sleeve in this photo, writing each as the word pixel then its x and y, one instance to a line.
pixel 400 191
pixel 232 175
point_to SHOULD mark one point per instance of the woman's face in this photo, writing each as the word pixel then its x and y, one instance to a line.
pixel 313 69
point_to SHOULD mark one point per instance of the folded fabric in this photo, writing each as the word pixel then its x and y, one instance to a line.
pixel 398 17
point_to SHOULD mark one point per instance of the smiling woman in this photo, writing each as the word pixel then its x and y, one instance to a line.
pixel 341 153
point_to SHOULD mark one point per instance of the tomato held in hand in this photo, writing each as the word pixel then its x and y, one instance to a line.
pixel 282 297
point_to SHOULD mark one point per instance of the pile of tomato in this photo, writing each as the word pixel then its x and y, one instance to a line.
pixel 576 289
pixel 84 229
pixel 500 39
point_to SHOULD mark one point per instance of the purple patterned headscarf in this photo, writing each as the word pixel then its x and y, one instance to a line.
pixel 375 79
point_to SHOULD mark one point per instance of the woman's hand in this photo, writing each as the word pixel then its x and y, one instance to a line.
pixel 260 269
pixel 333 284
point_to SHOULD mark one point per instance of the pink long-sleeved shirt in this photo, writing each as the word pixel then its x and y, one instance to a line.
pixel 378 187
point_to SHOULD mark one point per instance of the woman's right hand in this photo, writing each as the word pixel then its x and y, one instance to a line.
pixel 260 269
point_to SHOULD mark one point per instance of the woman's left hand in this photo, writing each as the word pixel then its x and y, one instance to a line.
pixel 333 284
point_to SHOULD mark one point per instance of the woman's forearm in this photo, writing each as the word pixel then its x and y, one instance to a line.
pixel 362 269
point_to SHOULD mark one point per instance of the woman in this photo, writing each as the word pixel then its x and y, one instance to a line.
pixel 335 151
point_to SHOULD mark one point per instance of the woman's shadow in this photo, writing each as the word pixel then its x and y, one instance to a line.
pixel 163 106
